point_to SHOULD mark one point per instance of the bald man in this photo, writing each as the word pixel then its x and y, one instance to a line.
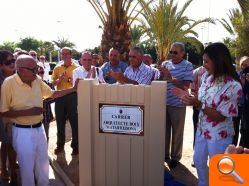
pixel 87 70
pixel 22 101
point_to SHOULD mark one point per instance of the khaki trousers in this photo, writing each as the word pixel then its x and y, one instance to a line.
pixel 175 119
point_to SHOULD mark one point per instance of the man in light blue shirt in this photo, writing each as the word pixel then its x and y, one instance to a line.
pixel 114 64
pixel 137 72
pixel 178 72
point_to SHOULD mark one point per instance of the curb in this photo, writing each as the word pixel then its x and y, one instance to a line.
pixel 57 168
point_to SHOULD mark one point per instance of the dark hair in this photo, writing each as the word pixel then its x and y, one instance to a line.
pixel 138 49
pixel 4 55
pixel 222 61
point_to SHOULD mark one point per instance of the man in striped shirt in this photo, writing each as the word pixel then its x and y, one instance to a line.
pixel 137 72
pixel 178 72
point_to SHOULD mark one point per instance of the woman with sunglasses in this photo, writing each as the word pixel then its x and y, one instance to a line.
pixel 47 112
pixel 7 68
pixel 218 102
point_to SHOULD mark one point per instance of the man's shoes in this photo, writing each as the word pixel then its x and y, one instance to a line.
pixel 75 151
pixel 59 149
pixel 173 164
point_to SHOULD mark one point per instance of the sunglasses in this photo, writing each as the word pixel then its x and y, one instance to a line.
pixel 173 52
pixel 41 72
pixel 9 62
pixel 33 70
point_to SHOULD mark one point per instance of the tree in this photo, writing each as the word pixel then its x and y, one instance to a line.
pixel 62 42
pixel 29 43
pixel 116 17
pixel 165 24
pixel 10 46
pixel 238 26
pixel 136 35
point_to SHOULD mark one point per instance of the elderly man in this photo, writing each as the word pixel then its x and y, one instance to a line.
pixel 22 101
pixel 87 70
pixel 137 72
pixel 114 65
pixel 178 72
pixel 65 107
pixel 147 59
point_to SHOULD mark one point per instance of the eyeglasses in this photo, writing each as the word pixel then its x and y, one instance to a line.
pixel 173 52
pixel 86 59
pixel 41 72
pixel 9 62
pixel 33 70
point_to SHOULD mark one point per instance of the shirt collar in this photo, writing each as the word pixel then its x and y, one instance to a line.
pixel 19 81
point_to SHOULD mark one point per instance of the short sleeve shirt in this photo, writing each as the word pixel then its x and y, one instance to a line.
pixel 16 95
pixel 59 70
pixel 143 74
pixel 221 95
pixel 181 71
pixel 106 67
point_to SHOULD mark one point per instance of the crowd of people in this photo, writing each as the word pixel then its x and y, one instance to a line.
pixel 219 96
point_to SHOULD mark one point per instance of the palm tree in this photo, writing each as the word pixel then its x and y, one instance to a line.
pixel 116 17
pixel 165 24
pixel 136 35
pixel 62 42
pixel 238 26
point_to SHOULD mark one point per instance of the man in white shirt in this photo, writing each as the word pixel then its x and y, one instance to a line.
pixel 46 67
pixel 87 70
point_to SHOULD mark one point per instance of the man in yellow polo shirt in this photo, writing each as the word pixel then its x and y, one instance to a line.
pixel 22 101
pixel 65 107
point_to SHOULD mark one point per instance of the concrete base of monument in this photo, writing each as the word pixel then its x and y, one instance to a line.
pixel 67 166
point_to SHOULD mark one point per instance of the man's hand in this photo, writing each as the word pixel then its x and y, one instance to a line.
pixel 119 76
pixel 91 73
pixel 165 72
pixel 34 111
pixel 232 149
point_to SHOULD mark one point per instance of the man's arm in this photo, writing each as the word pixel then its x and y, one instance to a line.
pixel 121 78
pixel 27 112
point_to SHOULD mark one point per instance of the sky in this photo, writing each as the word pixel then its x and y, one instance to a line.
pixel 76 20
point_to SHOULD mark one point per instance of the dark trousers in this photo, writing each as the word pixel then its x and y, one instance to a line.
pixel 245 126
pixel 66 108
pixel 236 125
pixel 195 121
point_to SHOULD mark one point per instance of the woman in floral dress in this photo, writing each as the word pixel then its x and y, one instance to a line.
pixel 217 99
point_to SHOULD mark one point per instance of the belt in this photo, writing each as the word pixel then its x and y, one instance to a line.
pixel 28 126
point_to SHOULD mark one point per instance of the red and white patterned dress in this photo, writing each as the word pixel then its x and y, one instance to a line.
pixel 221 95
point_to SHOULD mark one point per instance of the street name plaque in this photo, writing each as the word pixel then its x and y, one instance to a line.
pixel 121 119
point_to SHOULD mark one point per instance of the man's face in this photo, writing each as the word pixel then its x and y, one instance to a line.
pixel 113 56
pixel 42 58
pixel 176 54
pixel 244 64
pixel 135 58
pixel 95 60
pixel 33 54
pixel 28 70
pixel 86 61
pixel 147 60
pixel 66 55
